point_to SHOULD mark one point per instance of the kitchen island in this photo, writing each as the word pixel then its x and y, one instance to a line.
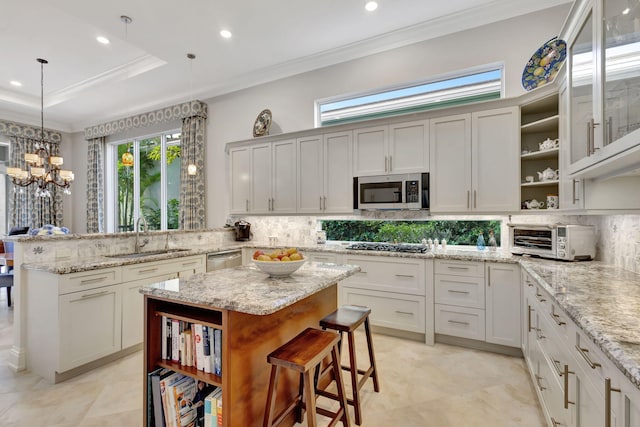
pixel 255 313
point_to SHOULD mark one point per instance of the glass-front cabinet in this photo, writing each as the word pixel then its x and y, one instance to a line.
pixel 603 38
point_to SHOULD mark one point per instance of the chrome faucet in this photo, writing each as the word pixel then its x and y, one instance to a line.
pixel 145 241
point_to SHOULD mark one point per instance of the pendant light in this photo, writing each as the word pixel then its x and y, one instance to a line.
pixel 44 169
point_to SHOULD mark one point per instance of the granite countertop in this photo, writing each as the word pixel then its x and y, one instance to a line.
pixel 602 300
pixel 68 266
pixel 248 290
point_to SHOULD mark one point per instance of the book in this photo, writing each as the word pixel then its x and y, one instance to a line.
pixel 217 352
pixel 206 349
pixel 175 340
pixel 165 393
pixel 154 396
pixel 213 409
pixel 199 347
pixel 184 392
pixel 164 337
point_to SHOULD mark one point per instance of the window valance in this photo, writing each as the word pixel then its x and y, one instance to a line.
pixel 175 112
pixel 31 132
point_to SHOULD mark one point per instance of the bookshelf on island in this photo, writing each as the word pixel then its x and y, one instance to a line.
pixel 255 314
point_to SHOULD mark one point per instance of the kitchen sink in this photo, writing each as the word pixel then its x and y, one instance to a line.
pixel 148 253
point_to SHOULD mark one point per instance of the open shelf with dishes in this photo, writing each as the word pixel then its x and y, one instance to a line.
pixel 539 159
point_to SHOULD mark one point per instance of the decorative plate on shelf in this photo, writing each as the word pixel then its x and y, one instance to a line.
pixel 544 64
pixel 262 123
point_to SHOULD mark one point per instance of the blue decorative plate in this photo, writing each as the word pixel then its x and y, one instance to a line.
pixel 544 64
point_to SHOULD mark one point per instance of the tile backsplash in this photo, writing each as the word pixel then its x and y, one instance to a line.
pixel 618 236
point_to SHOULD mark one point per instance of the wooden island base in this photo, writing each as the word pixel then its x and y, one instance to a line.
pixel 247 340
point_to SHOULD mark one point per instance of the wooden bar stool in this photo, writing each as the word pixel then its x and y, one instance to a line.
pixel 347 319
pixel 303 354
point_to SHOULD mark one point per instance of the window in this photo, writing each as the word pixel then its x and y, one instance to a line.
pixel 455 232
pixel 144 178
pixel 464 87
pixel 4 187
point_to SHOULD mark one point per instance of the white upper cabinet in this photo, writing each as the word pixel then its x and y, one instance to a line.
pixel 495 150
pixel 240 180
pixel 604 85
pixel 393 149
pixel 263 178
pixel 450 180
pixel 324 173
pixel 474 162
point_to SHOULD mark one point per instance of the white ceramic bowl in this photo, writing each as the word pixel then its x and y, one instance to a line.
pixel 279 268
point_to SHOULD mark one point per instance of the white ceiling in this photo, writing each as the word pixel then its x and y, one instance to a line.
pixel 145 65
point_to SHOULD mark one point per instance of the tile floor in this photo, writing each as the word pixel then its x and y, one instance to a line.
pixel 438 386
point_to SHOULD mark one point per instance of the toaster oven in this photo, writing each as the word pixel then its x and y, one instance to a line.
pixel 556 241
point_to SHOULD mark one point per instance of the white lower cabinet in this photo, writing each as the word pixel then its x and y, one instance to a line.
pixel 478 300
pixel 574 379
pixel 78 318
pixel 399 292
pixel 502 304
pixel 90 325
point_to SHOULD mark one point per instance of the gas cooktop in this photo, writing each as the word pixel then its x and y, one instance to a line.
pixel 387 247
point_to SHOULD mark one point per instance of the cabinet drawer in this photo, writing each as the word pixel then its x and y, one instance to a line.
pixel 460 321
pixel 75 282
pixel 322 257
pixel 390 310
pixel 158 268
pixel 382 274
pixel 459 291
pixel 459 268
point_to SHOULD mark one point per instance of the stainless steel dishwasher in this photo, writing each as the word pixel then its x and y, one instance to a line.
pixel 224 259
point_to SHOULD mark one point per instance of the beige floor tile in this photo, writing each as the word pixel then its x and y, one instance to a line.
pixel 421 385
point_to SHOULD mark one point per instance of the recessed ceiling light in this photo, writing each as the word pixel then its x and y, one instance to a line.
pixel 626 11
pixel 102 40
pixel 371 6
pixel 15 83
pixel 225 34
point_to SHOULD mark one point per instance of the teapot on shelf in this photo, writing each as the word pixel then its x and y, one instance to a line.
pixel 548 175
pixel 534 204
pixel 548 144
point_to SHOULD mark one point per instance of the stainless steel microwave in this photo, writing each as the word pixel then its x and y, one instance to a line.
pixel 556 241
pixel 399 191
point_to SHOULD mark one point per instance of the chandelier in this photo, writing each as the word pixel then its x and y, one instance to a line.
pixel 43 168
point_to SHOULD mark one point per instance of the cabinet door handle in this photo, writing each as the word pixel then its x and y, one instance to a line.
pixel 592 127
pixel 457 322
pixel 386 160
pixel 573 190
pixel 475 204
pixel 148 270
pixel 95 280
pixel 556 423
pixel 320 198
pixel 566 373
pixel 404 312
pixel 247 205
pixel 583 352
pixel 453 291
pixel 607 401
pixel 557 319
pixel 185 264
pixel 405 275
pixel 539 334
pixel 390 164
pixel 609 130
pixel 539 296
pixel 468 199
pixel 324 203
pixel 538 378
pixel 93 295
pixel 529 318
pixel 457 268
pixel 589 136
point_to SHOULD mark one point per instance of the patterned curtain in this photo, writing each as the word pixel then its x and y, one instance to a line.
pixel 192 188
pixel 95 185
pixel 25 208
